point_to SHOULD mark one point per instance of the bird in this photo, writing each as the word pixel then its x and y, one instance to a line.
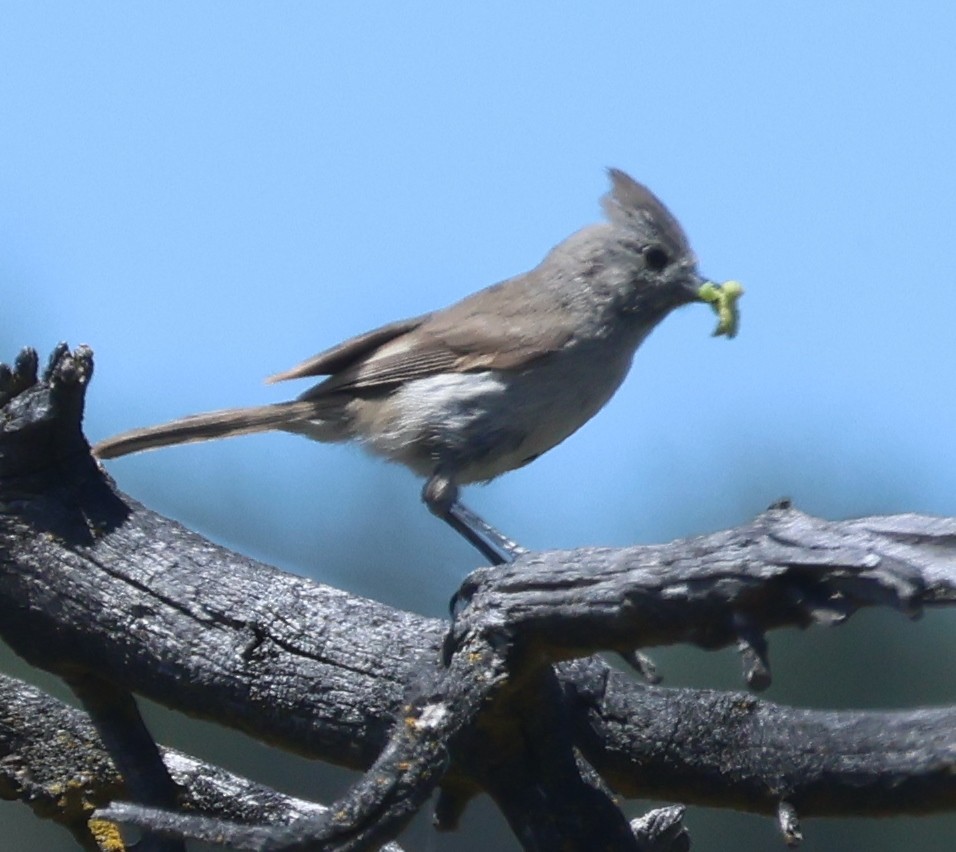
pixel 482 387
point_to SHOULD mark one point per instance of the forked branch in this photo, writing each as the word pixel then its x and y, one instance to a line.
pixel 506 698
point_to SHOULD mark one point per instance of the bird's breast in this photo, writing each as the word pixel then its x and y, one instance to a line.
pixel 478 425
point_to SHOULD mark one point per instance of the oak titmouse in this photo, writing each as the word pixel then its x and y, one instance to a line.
pixel 490 383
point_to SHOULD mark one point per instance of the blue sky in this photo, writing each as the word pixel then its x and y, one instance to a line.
pixel 208 193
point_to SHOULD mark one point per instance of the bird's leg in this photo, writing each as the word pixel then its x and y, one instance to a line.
pixel 441 496
pixel 491 541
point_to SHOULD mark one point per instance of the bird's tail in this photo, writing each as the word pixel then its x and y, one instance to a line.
pixel 205 427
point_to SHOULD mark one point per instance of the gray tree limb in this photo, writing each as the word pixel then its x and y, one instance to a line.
pixel 67 775
pixel 93 583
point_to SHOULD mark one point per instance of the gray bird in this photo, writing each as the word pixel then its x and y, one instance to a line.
pixel 490 383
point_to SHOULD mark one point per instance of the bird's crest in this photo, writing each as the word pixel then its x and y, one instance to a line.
pixel 633 205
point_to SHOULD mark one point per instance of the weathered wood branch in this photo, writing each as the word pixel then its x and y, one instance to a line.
pixel 54 761
pixel 92 582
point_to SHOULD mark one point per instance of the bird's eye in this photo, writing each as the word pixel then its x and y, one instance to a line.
pixel 655 258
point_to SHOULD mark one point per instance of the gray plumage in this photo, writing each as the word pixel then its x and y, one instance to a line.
pixel 481 387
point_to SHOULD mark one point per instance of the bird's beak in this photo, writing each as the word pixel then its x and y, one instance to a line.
pixel 723 299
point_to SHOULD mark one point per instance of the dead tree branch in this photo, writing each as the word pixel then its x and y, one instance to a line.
pixel 505 699
pixel 54 761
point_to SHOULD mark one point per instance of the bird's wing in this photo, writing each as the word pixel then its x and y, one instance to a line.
pixel 350 352
pixel 522 328
pixel 462 338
